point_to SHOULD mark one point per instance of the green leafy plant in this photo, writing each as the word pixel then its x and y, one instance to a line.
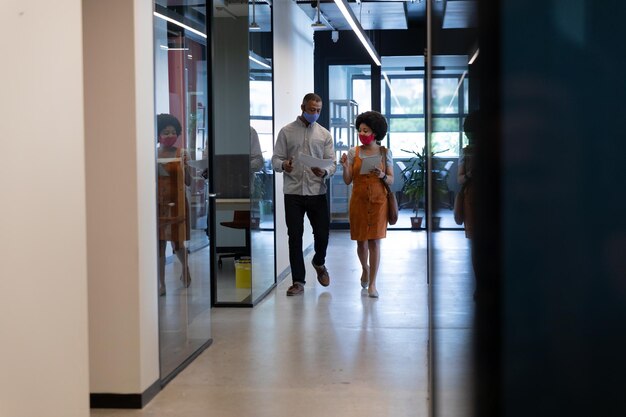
pixel 414 176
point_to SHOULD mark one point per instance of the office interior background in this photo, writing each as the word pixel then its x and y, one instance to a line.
pixel 82 320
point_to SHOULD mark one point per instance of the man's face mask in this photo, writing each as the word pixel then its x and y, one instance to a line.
pixel 311 118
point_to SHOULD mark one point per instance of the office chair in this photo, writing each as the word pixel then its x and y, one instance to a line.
pixel 241 220
pixel 445 176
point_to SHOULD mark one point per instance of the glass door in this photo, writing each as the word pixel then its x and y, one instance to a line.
pixel 242 143
pixel 180 65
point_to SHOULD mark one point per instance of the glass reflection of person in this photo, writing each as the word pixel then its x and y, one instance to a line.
pixel 173 178
pixel 464 177
pixel 368 203
pixel 256 165
pixel 256 155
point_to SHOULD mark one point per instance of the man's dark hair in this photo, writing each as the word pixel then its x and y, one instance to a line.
pixel 165 119
pixel 375 121
pixel 311 97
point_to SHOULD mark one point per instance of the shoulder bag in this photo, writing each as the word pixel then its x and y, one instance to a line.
pixel 459 203
pixel 392 203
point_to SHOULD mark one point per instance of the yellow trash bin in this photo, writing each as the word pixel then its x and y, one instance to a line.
pixel 243 272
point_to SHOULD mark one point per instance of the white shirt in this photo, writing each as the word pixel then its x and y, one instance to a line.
pixel 313 140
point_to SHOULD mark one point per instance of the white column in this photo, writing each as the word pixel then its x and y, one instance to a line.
pixel 121 196
pixel 43 268
pixel 293 78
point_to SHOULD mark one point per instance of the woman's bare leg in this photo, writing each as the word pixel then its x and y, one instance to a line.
pixel 162 244
pixel 361 251
pixel 181 254
pixel 374 253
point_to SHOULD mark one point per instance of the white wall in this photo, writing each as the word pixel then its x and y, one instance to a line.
pixel 121 196
pixel 293 78
pixel 43 278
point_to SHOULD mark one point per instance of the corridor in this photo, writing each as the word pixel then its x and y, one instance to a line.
pixel 334 351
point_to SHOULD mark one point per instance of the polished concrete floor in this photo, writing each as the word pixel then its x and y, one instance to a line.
pixel 336 352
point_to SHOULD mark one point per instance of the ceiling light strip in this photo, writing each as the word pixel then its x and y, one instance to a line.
pixel 473 58
pixel 456 92
pixel 258 61
pixel 181 24
pixel 393 93
pixel 356 27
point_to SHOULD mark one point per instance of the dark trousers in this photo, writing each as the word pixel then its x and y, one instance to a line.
pixel 316 209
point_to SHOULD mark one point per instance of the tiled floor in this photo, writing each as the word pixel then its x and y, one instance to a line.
pixel 334 351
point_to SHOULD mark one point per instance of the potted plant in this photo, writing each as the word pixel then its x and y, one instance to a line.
pixel 414 187
pixel 262 203
pixel 414 184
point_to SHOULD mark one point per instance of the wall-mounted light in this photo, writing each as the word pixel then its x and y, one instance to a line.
pixel 254 25
pixel 358 30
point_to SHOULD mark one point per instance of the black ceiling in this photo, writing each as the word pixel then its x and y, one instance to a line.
pixel 372 14
pixel 394 14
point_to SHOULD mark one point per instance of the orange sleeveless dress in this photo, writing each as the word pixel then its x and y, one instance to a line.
pixel 368 204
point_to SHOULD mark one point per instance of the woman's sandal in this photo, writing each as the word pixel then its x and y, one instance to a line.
pixel 186 282
pixel 365 279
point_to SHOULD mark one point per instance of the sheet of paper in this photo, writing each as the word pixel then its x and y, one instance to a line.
pixel 167 160
pixel 199 163
pixel 313 162
pixel 369 163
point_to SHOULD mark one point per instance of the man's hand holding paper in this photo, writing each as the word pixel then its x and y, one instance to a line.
pixel 313 162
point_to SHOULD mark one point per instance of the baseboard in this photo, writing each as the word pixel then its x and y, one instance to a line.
pixel 137 401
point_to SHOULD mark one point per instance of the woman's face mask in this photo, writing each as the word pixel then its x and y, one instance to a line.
pixel 366 139
pixel 168 141
pixel 168 137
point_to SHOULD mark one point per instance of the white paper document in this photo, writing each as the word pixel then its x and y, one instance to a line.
pixel 369 163
pixel 199 163
pixel 313 162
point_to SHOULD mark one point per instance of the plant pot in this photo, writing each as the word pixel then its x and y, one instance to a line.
pixel 436 222
pixel 416 222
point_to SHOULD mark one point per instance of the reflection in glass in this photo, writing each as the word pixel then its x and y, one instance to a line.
pixel 173 206
pixel 449 251
pixel 243 142
pixel 262 176
pixel 347 83
pixel 181 91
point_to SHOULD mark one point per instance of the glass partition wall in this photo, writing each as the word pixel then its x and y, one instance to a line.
pixel 426 100
pixel 260 60
pixel 180 62
pixel 241 176
pixel 348 94
pixel 452 81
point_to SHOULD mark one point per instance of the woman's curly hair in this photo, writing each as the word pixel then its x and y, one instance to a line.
pixel 375 121
pixel 164 120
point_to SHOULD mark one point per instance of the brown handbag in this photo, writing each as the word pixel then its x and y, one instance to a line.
pixel 392 203
pixel 459 206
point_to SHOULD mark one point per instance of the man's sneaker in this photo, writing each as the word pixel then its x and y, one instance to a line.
pixel 322 274
pixel 296 289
